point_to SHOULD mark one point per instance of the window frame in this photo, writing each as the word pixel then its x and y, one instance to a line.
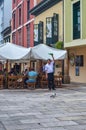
pixel 14 37
pixel 76 20
pixel 14 20
pixel 28 35
pixel 20 37
pixel 14 1
pixel 19 16
pixel 79 60
pixel 28 9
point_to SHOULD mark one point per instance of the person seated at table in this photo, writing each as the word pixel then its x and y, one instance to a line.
pixel 26 67
pixel 12 72
pixel 32 75
pixel 5 74
pixel 43 68
pixel 1 72
pixel 25 72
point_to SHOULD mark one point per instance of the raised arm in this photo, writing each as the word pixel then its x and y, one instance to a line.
pixel 53 58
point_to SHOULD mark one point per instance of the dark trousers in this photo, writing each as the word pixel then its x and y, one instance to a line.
pixel 51 81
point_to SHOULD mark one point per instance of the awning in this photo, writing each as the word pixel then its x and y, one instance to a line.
pixel 10 51
pixel 42 51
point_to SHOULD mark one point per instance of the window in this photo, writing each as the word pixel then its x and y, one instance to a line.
pixel 36 33
pixel 49 27
pixel 20 16
pixel 14 23
pixel 28 36
pixel 40 32
pixel 28 8
pixel 9 39
pixel 14 38
pixel 79 60
pixel 52 29
pixel 76 20
pixel 35 2
pixel 55 25
pixel 20 37
pixel 14 1
pixel 55 28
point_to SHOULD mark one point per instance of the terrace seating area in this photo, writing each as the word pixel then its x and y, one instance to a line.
pixel 17 82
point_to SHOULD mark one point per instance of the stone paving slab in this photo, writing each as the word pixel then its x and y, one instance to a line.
pixel 2 127
pixel 78 127
pixel 37 110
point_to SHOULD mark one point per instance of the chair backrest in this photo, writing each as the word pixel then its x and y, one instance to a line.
pixel 1 79
pixel 58 76
pixel 20 78
pixel 43 78
pixel 32 77
pixel 12 78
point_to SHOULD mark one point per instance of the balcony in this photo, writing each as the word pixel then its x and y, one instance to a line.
pixel 42 6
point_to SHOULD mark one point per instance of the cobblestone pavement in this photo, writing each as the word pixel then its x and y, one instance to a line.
pixel 39 110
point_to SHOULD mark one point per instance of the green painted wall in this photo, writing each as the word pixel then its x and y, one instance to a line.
pixel 67 20
pixel 84 19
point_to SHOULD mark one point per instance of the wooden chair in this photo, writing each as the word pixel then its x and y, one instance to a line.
pixel 20 81
pixel 1 81
pixel 58 80
pixel 32 84
pixel 12 82
pixel 43 81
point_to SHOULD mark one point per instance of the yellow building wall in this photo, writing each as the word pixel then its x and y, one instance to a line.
pixel 82 73
pixel 58 8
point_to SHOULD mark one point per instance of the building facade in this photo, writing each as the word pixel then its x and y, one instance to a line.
pixel 6 33
pixel 75 39
pixel 5 20
pixel 48 24
pixel 22 22
pixel 1 20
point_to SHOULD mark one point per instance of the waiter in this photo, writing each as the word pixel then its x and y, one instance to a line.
pixel 49 69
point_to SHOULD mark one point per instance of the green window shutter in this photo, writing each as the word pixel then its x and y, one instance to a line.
pixel 52 29
pixel 40 33
pixel 55 28
pixel 76 20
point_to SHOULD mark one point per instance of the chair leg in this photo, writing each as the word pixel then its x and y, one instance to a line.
pixel 31 85
pixel 34 85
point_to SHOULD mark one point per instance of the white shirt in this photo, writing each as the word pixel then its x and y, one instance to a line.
pixel 49 67
pixel 25 67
